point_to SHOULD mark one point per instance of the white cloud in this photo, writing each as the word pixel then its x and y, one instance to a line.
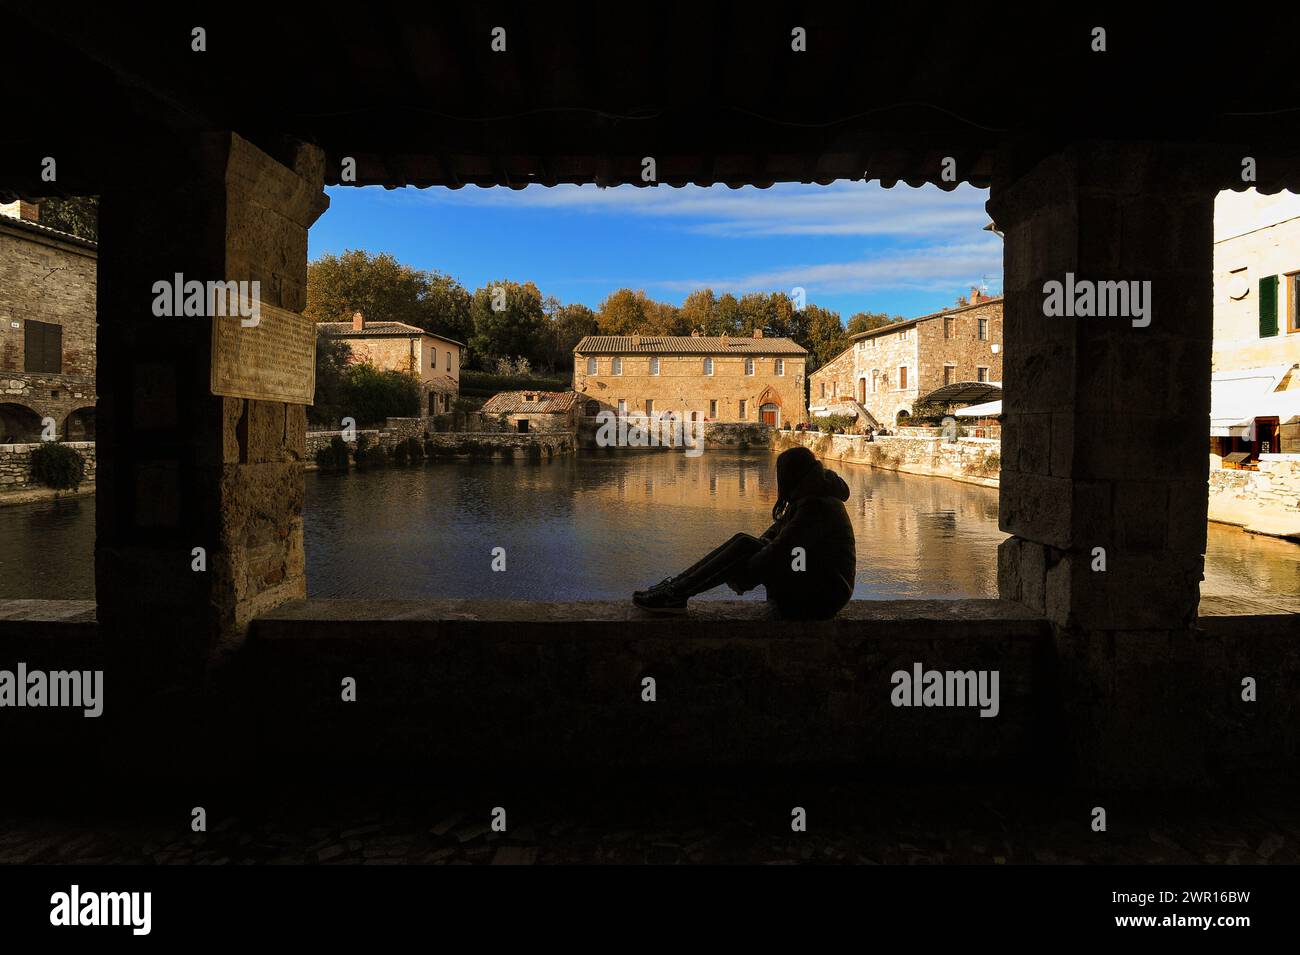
pixel 842 208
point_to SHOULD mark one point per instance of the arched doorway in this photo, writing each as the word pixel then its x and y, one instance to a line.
pixel 79 425
pixel 770 414
pixel 19 424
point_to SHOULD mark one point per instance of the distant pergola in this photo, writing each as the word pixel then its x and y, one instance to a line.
pixel 958 394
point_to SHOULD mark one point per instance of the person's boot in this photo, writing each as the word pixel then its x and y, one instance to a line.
pixel 663 598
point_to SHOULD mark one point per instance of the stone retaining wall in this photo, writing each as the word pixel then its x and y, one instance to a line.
pixel 717 434
pixel 973 460
pixel 16 464
pixel 548 444
pixel 1266 501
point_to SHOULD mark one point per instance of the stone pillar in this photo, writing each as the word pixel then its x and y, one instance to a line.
pixel 1104 441
pixel 180 468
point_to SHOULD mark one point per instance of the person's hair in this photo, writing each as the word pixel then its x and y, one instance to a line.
pixel 792 467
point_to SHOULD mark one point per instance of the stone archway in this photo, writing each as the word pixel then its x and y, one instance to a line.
pixel 79 425
pixel 19 424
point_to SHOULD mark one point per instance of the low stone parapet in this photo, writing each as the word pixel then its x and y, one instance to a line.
pixel 973 460
pixel 16 465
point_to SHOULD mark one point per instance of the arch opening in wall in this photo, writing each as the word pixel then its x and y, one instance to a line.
pixel 79 425
pixel 19 424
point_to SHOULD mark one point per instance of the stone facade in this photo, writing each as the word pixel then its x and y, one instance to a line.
pixel 714 379
pixel 888 369
pixel 46 277
pixel 1265 501
pixel 526 411
pixel 396 346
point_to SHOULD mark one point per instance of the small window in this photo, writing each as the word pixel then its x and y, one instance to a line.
pixel 649 406
pixel 902 377
pixel 983 329
pixel 616 367
pixel 42 347
pixel 780 366
pixel 591 366
pixel 449 361
pixel 742 409
pixel 713 408
pixel 949 374
pixel 949 328
pixel 433 359
pixel 823 391
pixel 654 366
pixel 749 366
pixel 708 366
pixel 835 389
pixel 981 373
pixel 622 407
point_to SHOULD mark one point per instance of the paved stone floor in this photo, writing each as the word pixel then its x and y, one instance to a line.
pixel 855 823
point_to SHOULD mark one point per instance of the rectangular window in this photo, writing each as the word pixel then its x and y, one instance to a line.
pixel 983 329
pixel 823 393
pixel 591 366
pixel 742 409
pixel 1268 306
pixel 433 359
pixel 713 408
pixel 622 407
pixel 835 389
pixel 780 366
pixel 449 361
pixel 617 366
pixel 42 347
pixel 949 327
pixel 654 366
pixel 649 406
pixel 875 380
pixel 708 366
pixel 902 377
pixel 949 374
pixel 981 373
pixel 749 366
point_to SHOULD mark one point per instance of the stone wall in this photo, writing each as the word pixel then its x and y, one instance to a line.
pixel 717 434
pixel 973 460
pixel 16 464
pixel 548 444
pixel 1266 501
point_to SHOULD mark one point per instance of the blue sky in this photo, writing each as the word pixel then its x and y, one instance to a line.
pixel 852 245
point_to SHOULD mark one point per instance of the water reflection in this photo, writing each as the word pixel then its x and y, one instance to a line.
pixel 596 526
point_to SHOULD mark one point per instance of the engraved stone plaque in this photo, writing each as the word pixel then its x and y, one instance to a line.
pixel 274 360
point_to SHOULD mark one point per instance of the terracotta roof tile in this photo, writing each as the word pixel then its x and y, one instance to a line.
pixel 686 345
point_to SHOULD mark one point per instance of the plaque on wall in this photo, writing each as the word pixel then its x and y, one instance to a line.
pixel 273 360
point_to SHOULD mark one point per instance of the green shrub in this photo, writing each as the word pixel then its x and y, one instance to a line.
pixel 58 466
pixel 480 383
pixel 369 455
pixel 333 457
pixel 371 395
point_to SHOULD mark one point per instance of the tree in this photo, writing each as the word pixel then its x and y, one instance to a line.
pixel 825 336
pixel 517 328
pixel 566 326
pixel 78 215
pixel 866 321
pixel 622 313
pixel 699 311
pixel 378 286
pixel 446 306
pixel 333 358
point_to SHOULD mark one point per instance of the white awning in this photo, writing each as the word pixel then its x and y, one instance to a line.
pixel 1237 396
pixel 989 409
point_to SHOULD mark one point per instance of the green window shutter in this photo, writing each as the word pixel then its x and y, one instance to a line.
pixel 1268 306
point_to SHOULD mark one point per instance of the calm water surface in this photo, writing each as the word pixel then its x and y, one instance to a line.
pixel 598 526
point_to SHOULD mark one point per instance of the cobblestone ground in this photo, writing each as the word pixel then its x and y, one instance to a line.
pixel 680 825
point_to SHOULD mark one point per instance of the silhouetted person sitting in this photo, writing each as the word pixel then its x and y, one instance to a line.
pixel 806 560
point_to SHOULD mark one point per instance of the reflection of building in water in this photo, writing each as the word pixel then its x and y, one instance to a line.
pixel 716 479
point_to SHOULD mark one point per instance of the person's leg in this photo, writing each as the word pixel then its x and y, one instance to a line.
pixel 716 566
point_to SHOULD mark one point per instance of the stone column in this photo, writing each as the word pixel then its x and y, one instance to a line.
pixel 180 468
pixel 1104 442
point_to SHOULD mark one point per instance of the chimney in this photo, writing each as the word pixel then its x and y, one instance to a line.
pixel 758 333
pixel 358 322
pixel 976 296
pixel 961 300
pixel 636 341
pixel 18 209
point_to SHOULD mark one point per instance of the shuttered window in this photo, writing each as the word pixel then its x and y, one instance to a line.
pixel 42 347
pixel 1268 306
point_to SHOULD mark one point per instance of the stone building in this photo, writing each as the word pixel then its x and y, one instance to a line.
pixel 535 410
pixel 753 379
pixel 887 369
pixel 1255 390
pixel 396 346
pixel 47 328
